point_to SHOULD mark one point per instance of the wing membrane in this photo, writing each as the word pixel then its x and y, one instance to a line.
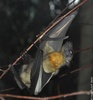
pixel 59 31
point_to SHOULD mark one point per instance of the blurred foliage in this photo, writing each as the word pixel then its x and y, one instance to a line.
pixel 21 21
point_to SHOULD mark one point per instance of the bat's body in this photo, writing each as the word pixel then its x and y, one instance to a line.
pixel 50 57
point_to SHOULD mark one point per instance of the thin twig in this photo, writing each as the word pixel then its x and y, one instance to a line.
pixel 48 98
pixel 76 70
pixel 2 98
pixel 4 90
pixel 84 49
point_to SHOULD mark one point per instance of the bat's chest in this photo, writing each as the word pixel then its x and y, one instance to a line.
pixel 53 61
pixel 57 59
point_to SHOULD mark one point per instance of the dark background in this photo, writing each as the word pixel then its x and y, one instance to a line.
pixel 22 20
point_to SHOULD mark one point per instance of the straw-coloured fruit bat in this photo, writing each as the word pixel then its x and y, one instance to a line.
pixel 51 55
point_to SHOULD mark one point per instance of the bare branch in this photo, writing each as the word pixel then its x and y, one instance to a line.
pixel 48 98
pixel 4 90
pixel 84 49
pixel 2 98
pixel 76 70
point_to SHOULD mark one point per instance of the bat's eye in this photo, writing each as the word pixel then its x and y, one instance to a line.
pixel 71 52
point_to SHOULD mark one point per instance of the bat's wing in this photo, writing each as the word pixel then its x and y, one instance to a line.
pixel 52 41
pixel 26 59
pixel 17 78
pixel 36 72
pixel 38 76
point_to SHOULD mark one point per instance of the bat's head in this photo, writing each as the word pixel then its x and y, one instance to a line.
pixel 67 50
